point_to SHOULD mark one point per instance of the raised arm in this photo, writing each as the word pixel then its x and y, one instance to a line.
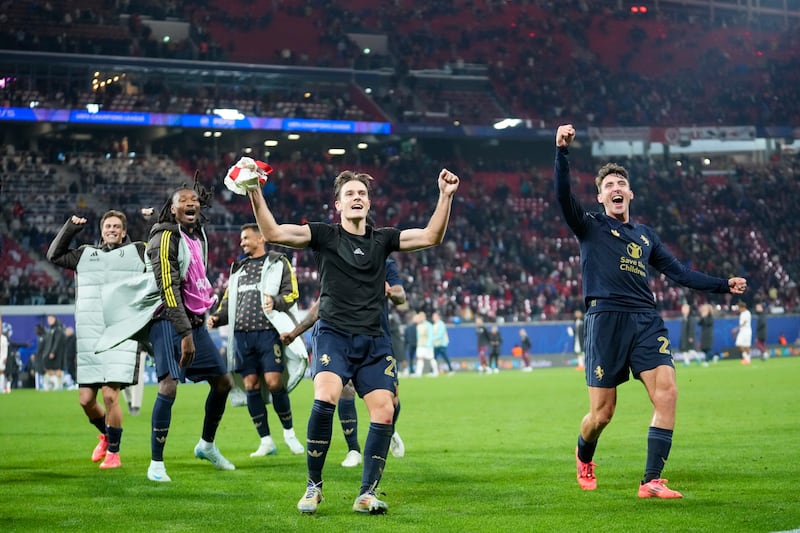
pixel 59 252
pixel 433 233
pixel 571 209
pixel 292 235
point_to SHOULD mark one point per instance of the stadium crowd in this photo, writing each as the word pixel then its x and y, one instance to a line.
pixel 506 255
pixel 667 67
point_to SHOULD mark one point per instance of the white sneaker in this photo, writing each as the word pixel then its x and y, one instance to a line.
pixel 527 369
pixel 352 459
pixel 213 456
pixel 396 445
pixel 267 447
pixel 158 472
pixel 292 442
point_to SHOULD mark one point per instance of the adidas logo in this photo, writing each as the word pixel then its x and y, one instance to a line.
pixel 358 251
pixel 314 453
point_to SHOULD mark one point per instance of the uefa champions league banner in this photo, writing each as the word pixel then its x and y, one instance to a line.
pixel 128 118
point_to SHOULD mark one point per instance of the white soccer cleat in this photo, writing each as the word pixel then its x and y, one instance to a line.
pixel 369 503
pixel 311 499
pixel 352 459
pixel 213 456
pixel 292 442
pixel 267 447
pixel 158 472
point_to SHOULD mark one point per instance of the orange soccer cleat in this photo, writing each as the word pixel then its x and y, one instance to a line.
pixel 586 478
pixel 657 488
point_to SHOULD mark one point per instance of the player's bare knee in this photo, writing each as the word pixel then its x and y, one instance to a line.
pixel 110 398
pixel 273 381
pixel 602 417
pixel 222 384
pixel 666 397
pixel 168 387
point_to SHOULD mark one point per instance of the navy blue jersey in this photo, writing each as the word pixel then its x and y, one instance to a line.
pixel 615 255
pixel 352 270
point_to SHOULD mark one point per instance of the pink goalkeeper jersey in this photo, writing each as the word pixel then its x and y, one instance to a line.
pixel 197 290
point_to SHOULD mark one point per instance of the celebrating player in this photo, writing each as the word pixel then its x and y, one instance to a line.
pixel 624 332
pixel 351 257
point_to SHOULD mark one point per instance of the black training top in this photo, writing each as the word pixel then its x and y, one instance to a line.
pixel 352 270
pixel 615 255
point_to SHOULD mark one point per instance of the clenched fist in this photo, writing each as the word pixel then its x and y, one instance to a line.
pixel 564 135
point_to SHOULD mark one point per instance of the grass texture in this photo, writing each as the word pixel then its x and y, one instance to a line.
pixel 484 453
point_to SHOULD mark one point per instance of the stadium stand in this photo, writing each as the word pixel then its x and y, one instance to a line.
pixel 507 253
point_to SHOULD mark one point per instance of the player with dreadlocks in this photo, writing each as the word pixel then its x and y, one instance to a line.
pixel 181 344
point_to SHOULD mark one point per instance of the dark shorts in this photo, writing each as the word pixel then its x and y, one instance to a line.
pixel 208 362
pixel 258 352
pixel 618 344
pixel 367 360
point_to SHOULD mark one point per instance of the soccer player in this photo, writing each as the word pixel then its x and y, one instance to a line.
pixel 182 346
pixel 425 345
pixel 96 267
pixel 482 334
pixel 351 257
pixel 706 324
pixel 624 332
pixel 525 350
pixel 348 416
pixel 744 332
pixel 761 331
pixel 260 283
pixel 686 345
pixel 441 340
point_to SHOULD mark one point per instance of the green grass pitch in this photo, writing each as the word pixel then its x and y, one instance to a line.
pixel 484 453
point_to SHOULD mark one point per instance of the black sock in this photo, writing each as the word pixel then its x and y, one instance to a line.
pixel 114 437
pixel 659 442
pixel 215 408
pixel 320 429
pixel 586 450
pixel 375 450
pixel 99 423
pixel 349 419
pixel 283 408
pixel 160 421
pixel 258 412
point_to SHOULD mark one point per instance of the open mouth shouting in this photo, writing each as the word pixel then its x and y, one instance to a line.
pixel 186 207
